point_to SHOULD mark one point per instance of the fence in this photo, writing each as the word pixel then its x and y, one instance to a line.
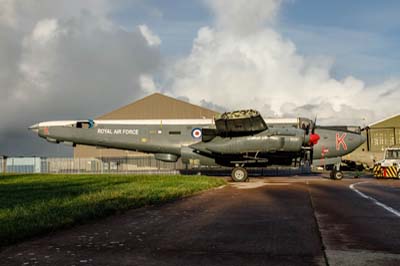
pixel 138 165
pixel 86 165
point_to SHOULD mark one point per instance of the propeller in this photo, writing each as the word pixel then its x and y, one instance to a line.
pixel 314 138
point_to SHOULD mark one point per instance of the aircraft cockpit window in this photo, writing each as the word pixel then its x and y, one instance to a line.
pixel 354 129
pixel 85 124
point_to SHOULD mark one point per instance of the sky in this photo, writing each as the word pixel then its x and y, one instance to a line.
pixel 71 59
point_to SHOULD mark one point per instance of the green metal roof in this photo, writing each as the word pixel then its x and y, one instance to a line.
pixel 391 121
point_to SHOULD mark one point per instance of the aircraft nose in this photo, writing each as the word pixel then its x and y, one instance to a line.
pixel 34 128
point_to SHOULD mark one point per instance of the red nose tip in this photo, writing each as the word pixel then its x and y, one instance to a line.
pixel 314 139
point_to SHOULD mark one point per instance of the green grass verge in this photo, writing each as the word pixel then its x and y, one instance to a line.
pixel 36 204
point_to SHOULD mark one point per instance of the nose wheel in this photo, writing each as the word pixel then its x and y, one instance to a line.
pixel 239 174
pixel 336 175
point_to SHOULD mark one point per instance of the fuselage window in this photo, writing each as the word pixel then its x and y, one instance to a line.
pixel 174 132
pixel 82 125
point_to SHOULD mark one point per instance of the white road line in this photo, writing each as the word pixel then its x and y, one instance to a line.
pixel 388 208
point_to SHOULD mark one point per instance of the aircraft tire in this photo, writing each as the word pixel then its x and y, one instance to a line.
pixel 239 174
pixel 337 175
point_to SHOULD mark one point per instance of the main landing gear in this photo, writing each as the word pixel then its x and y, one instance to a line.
pixel 239 174
pixel 336 173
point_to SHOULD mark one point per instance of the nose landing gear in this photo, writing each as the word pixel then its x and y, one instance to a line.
pixel 336 173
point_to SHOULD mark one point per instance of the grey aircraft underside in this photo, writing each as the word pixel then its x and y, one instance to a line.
pixel 237 142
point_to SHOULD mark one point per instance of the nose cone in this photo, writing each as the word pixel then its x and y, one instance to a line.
pixel 355 141
pixel 34 128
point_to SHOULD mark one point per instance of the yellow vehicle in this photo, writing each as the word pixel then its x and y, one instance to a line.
pixel 389 167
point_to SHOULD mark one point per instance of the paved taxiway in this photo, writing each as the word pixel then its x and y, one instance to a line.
pixel 268 221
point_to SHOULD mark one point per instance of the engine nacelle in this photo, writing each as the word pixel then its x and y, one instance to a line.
pixel 189 156
pixel 51 140
pixel 166 157
pixel 258 143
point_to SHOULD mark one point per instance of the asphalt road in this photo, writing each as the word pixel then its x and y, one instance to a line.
pixel 268 221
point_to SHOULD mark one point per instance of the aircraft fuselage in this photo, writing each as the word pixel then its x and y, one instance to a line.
pixel 182 138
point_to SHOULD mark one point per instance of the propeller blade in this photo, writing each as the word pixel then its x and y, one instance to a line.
pixel 314 138
pixel 314 125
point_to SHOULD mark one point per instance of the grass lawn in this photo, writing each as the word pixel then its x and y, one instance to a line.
pixel 36 204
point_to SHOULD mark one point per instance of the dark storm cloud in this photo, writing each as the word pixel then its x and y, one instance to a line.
pixel 73 67
pixel 10 53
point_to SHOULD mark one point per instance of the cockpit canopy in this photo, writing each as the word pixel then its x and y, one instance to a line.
pixel 240 122
pixel 71 123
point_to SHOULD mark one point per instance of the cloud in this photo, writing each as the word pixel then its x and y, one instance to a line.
pixel 213 106
pixel 241 16
pixel 356 52
pixel 56 65
pixel 151 38
pixel 242 61
pixel 22 15
pixel 147 83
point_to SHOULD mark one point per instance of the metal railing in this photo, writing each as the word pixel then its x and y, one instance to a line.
pixel 146 164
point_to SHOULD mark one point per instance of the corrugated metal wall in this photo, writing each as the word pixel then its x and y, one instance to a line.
pixel 381 138
pixel 384 133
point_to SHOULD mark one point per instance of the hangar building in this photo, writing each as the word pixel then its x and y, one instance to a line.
pixel 383 134
pixel 154 106
pixel 380 135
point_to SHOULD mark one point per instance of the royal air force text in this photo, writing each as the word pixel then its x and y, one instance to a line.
pixel 109 131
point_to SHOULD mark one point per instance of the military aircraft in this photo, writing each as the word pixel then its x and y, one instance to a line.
pixel 238 139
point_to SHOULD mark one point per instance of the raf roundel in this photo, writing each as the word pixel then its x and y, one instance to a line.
pixel 196 133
